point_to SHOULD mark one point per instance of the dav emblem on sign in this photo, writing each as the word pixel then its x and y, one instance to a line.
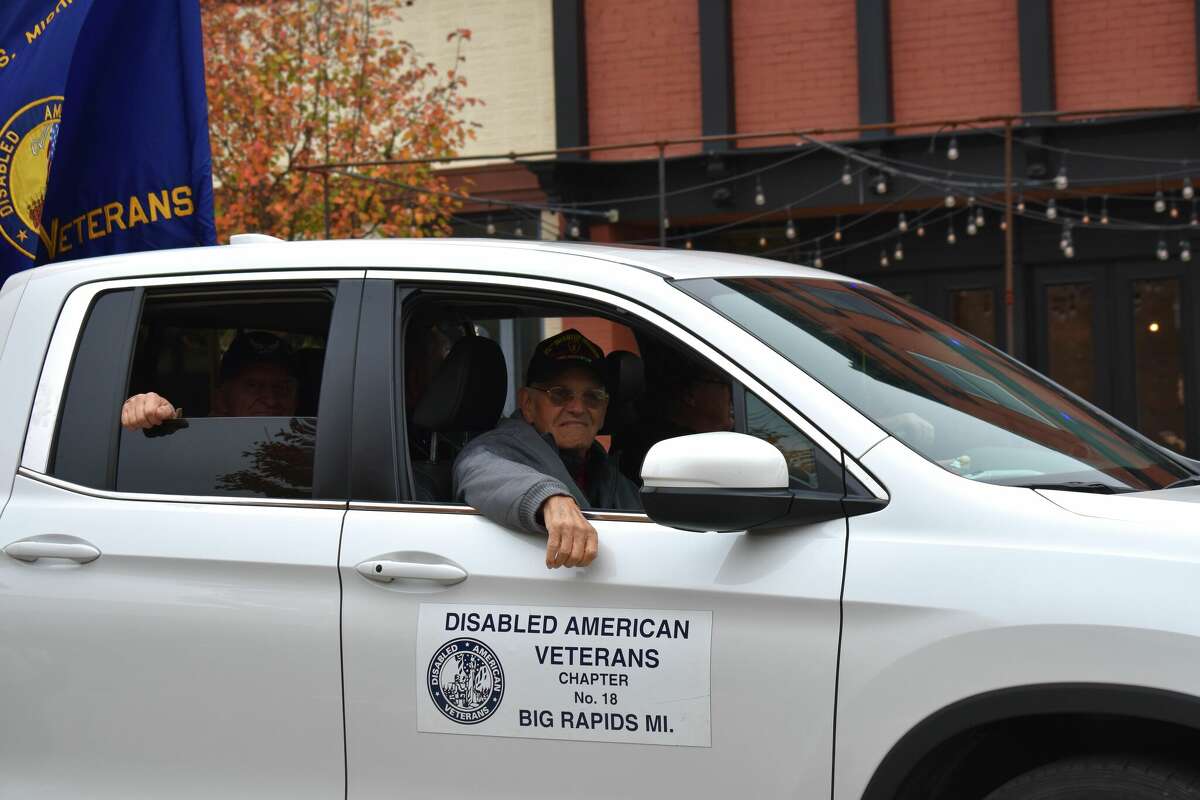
pixel 466 681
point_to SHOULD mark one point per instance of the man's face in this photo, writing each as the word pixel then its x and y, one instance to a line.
pixel 712 406
pixel 573 424
pixel 260 390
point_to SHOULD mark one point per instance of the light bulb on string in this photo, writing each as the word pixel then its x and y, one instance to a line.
pixel 1187 191
pixel 1060 180
pixel 972 228
pixel 979 218
pixel 762 241
pixel 1173 212
pixel 902 223
pixel 837 230
pixel 1051 209
pixel 881 184
pixel 950 237
pixel 491 226
pixel 1003 224
pixel 950 201
pixel 790 230
pixel 1194 221
pixel 687 245
pixel 1160 202
pixel 921 230
pixel 519 231
pixel 1104 210
pixel 1020 204
pixel 1185 250
pixel 1067 242
pixel 952 150
pixel 1162 252
pixel 574 228
pixel 666 222
pixel 898 253
pixel 847 178
pixel 760 197
pixel 819 262
pixel 1086 219
pixel 883 258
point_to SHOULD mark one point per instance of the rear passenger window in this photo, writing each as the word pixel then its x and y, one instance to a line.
pixel 242 369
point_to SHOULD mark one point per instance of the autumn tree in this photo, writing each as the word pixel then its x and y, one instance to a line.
pixel 297 83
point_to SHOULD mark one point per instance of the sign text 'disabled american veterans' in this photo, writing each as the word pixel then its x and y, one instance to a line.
pixel 551 672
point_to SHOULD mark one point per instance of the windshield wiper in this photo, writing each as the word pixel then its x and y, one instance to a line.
pixel 1076 486
pixel 1191 480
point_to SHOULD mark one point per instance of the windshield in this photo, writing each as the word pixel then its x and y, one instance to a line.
pixel 955 400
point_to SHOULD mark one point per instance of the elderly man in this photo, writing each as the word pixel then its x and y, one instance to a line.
pixel 257 379
pixel 537 469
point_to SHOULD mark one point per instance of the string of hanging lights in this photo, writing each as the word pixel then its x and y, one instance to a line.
pixel 874 170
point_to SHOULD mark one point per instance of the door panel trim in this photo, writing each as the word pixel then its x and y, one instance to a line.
pixel 437 508
pixel 210 500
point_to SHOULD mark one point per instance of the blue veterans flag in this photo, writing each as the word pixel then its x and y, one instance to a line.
pixel 103 130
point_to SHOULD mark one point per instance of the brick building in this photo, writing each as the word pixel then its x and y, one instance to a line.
pixel 1106 308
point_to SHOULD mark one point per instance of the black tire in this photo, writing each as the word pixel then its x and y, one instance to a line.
pixel 1103 778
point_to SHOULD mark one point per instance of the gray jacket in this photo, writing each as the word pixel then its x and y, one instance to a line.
pixel 508 472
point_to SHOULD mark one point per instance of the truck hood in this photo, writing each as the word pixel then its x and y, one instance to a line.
pixel 1175 508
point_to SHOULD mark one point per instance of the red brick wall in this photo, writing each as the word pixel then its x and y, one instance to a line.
pixel 795 65
pixel 643 73
pixel 954 58
pixel 1113 53
pixel 607 335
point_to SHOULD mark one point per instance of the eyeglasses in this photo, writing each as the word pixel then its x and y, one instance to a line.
pixel 561 395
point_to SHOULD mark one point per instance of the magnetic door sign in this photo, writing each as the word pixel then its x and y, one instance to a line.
pixel 547 672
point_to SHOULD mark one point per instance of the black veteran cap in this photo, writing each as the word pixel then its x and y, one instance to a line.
pixel 562 352
pixel 256 347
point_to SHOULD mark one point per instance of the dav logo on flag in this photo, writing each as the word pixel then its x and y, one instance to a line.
pixel 103 130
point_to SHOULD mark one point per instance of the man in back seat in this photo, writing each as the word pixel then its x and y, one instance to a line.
pixel 258 378
pixel 537 469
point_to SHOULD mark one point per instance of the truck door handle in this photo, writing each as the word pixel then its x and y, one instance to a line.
pixel 53 546
pixel 386 571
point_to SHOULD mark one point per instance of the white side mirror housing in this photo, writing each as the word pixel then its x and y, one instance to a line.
pixel 719 460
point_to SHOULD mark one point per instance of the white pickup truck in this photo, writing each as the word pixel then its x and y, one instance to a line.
pixel 913 568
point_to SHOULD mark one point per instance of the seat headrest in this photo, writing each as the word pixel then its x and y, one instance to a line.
pixel 626 375
pixel 625 378
pixel 468 391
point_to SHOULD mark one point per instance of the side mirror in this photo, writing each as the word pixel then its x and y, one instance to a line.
pixel 726 481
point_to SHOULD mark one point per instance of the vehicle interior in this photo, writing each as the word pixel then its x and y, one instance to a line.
pixel 182 336
pixel 475 385
pixel 180 341
pixel 462 358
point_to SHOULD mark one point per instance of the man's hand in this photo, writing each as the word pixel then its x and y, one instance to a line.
pixel 146 411
pixel 572 540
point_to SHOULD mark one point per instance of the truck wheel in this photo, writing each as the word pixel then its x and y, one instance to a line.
pixel 1103 778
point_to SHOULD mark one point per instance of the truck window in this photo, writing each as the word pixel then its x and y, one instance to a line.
pixel 241 367
pixel 658 388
